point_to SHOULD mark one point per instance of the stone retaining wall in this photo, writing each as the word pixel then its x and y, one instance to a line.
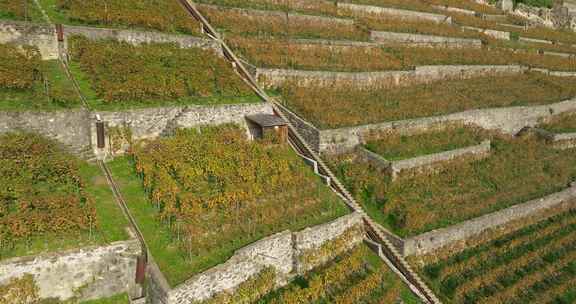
pixel 422 74
pixel 439 238
pixel 154 122
pixel 69 127
pixel 394 168
pixel 279 251
pixel 393 12
pixel 42 36
pixel 405 39
pixel 139 37
pixel 508 120
pixel 82 274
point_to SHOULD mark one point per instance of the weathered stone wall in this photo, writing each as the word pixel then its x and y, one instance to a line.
pixel 508 120
pixel 393 12
pixel 154 122
pixel 42 36
pixel 292 17
pixel 83 274
pixel 313 238
pixel 426 161
pixel 421 74
pixel 421 162
pixel 279 251
pixel 406 39
pixel 439 238
pixel 139 37
pixel 69 127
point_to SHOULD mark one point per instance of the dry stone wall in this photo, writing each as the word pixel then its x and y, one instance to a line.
pixel 42 36
pixel 439 238
pixel 508 120
pixel 393 12
pixel 279 251
pixel 394 168
pixel 69 127
pixel 422 74
pixel 154 122
pixel 140 37
pixel 423 40
pixel 83 274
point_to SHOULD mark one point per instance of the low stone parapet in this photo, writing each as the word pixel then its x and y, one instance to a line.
pixel 393 12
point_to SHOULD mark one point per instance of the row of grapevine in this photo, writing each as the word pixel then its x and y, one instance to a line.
pixel 517 170
pixel 121 72
pixel 166 16
pixel 344 104
pixel 212 186
pixel 532 265
pixel 280 53
pixel 19 10
pixel 357 276
pixel 42 191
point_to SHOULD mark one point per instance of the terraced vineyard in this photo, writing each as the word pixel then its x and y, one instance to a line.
pixel 347 105
pixel 28 82
pixel 358 276
pixel 517 170
pixel 117 75
pixel 213 192
pixel 535 264
pixel 124 14
pixel 49 199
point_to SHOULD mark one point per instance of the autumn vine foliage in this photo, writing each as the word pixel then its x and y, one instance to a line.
pixel 535 264
pixel 213 186
pixel 20 68
pixel 121 72
pixel 357 276
pixel 166 15
pixel 18 9
pixel 42 191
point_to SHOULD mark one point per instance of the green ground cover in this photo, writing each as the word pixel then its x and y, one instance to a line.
pixel 230 194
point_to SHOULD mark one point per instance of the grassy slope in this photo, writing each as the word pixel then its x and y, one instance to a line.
pixel 112 223
pixel 117 299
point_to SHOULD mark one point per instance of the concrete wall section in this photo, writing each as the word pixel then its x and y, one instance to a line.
pixel 84 274
pixel 439 238
pixel 423 74
pixel 508 120
pixel 502 35
pixel 406 39
pixel 42 36
pixel 397 13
